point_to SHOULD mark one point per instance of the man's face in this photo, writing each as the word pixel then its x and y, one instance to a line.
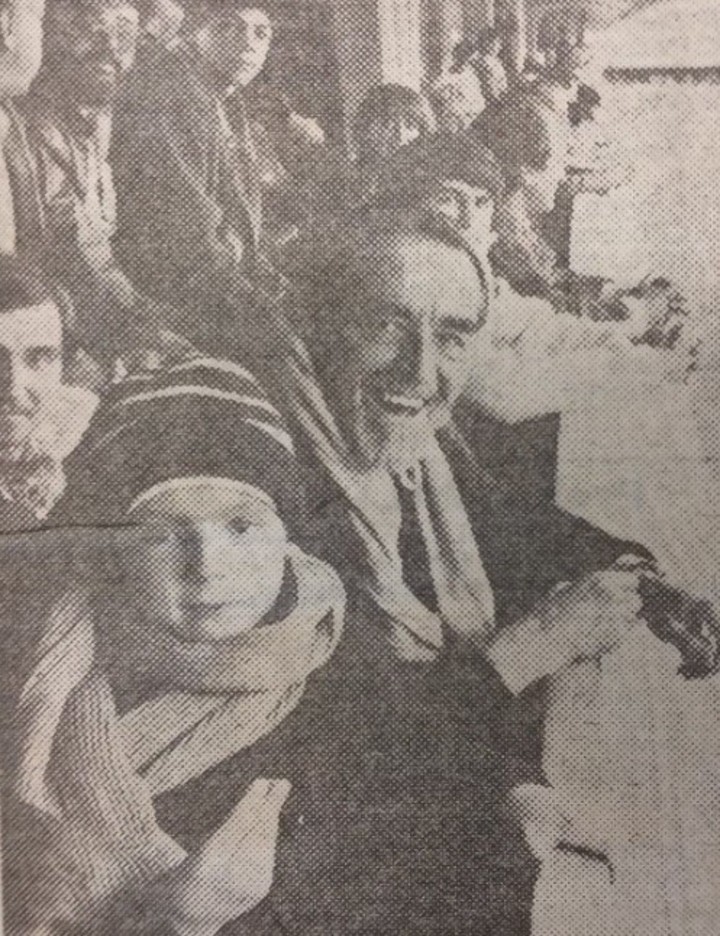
pixel 386 136
pixel 405 348
pixel 90 46
pixel 469 209
pixel 30 378
pixel 21 48
pixel 206 561
pixel 236 44
pixel 165 20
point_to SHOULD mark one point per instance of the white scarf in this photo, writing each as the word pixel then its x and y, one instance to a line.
pixel 204 717
pixel 465 600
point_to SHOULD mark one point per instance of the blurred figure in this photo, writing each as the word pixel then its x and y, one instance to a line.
pixel 90 48
pixel 457 100
pixel 189 195
pixel 288 147
pixel 21 35
pixel 531 147
pixel 389 117
pixel 90 45
pixel 388 121
pixel 484 55
pixel 161 21
pixel 42 418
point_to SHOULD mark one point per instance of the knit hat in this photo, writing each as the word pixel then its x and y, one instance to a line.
pixel 460 157
pixel 203 418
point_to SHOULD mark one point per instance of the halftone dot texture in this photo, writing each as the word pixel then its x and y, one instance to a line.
pixel 632 749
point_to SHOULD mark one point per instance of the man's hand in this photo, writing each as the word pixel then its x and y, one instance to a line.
pixel 577 621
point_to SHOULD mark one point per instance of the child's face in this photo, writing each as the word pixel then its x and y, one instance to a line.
pixel 207 560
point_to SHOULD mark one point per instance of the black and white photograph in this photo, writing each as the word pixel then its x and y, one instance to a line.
pixel 360 467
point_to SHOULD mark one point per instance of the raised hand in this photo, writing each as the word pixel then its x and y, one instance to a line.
pixel 232 872
pixel 578 621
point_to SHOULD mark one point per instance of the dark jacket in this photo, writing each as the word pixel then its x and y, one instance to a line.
pixel 30 222
pixel 397 821
pixel 186 186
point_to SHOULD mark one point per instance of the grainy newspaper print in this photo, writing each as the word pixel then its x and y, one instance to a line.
pixel 359 467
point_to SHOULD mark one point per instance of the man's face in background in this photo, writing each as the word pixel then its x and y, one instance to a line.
pixel 30 380
pixel 469 208
pixel 235 44
pixel 404 348
pixel 89 46
pixel 21 45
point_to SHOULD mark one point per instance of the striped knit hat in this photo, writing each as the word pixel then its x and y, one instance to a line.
pixel 202 418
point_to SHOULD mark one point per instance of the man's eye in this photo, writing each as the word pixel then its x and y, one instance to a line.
pixel 39 358
pixel 239 526
pixel 262 32
pixel 452 342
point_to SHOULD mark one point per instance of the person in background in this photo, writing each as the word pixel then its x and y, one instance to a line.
pixel 389 118
pixel 161 22
pixel 457 99
pixel 289 148
pixel 21 35
pixel 485 56
pixel 89 50
pixel 89 46
pixel 189 195
pixel 534 157
pixel 42 416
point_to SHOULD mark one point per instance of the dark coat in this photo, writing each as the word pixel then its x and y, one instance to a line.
pixel 184 184
pixel 397 821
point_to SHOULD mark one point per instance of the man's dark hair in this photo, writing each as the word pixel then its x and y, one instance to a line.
pixel 385 102
pixel 22 284
pixel 329 270
pixel 198 11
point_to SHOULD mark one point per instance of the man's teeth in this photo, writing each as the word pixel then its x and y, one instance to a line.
pixel 411 404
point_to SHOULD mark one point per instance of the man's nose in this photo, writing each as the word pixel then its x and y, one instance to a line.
pixel 464 213
pixel 419 367
pixel 244 39
pixel 205 553
pixel 15 384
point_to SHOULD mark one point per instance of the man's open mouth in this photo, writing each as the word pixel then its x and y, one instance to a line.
pixel 199 610
pixel 399 405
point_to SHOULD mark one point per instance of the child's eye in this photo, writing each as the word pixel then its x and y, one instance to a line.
pixel 239 526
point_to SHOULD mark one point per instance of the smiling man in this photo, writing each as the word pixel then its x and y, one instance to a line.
pixel 405 360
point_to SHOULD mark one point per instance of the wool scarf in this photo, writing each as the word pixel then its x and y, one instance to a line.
pixel 465 599
pixel 210 700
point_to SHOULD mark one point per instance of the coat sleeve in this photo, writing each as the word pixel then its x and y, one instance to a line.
pixel 168 219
